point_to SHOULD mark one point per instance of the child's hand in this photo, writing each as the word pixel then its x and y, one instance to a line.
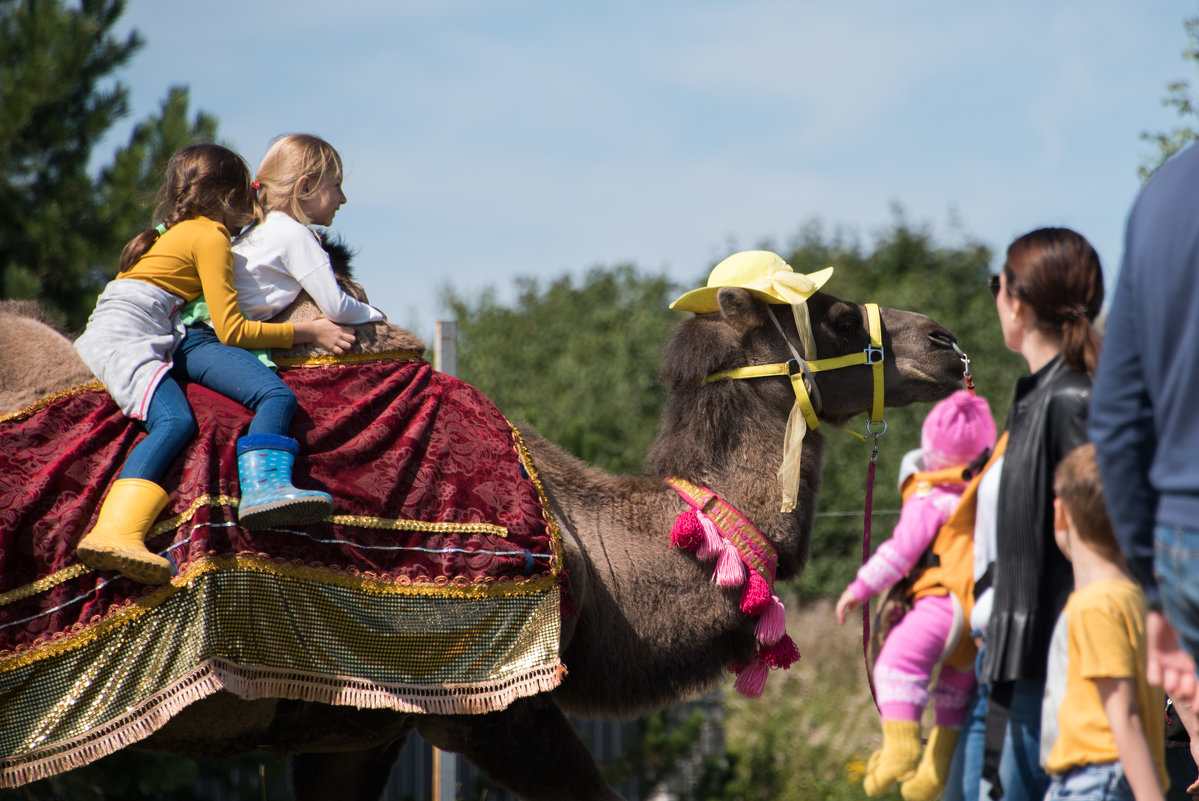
pixel 336 339
pixel 846 604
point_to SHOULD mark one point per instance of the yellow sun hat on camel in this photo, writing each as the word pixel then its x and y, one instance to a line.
pixel 764 274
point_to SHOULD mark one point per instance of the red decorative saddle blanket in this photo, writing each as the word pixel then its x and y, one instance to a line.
pixel 433 588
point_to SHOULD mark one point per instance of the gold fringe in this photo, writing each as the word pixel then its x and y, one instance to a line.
pixel 82 634
pixel 526 459
pixel 486 587
pixel 389 524
pixel 348 358
pixel 179 520
pixel 36 407
pixel 44 583
pixel 252 683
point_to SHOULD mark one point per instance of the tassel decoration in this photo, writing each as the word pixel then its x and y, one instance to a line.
pixel 730 570
pixel 782 654
pixel 773 623
pixel 751 680
pixel 756 594
pixel 697 530
pixel 687 532
pixel 712 544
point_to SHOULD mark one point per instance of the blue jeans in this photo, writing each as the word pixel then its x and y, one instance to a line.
pixel 1104 782
pixel 965 771
pixel 233 372
pixel 1020 765
pixel 1176 558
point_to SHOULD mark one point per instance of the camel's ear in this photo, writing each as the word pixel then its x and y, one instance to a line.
pixel 741 310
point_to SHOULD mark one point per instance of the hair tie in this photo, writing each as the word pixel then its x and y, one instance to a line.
pixel 255 185
pixel 1077 312
pixel 161 228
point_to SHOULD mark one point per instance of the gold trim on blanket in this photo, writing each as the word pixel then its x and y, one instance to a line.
pixel 526 460
pixel 37 406
pixel 347 358
pixel 358 521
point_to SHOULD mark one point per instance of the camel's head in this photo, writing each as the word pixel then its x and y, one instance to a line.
pixel 829 355
pixel 919 362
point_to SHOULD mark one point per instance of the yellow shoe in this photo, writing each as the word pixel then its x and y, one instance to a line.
pixel 933 770
pixel 896 760
pixel 118 540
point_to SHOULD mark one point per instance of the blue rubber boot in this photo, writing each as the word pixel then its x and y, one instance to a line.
pixel 268 499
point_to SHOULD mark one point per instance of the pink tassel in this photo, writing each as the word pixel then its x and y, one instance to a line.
pixel 756 594
pixel 751 680
pixel 687 532
pixel 712 543
pixel 783 654
pixel 730 570
pixel 773 623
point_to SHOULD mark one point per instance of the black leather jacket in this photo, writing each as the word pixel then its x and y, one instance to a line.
pixel 1032 578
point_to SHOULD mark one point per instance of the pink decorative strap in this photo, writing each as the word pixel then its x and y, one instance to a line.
pixel 713 529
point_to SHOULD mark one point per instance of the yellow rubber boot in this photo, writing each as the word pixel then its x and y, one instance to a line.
pixel 896 760
pixel 118 540
pixel 933 770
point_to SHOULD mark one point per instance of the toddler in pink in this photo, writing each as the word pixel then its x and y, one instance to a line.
pixel 956 432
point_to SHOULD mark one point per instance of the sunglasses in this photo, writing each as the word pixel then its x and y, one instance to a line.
pixel 993 285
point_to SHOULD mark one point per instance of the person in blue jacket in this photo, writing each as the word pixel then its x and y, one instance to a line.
pixel 1144 417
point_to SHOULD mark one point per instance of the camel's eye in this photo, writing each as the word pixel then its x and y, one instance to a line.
pixel 845 320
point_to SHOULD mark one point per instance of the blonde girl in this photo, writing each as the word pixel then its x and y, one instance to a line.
pixel 139 348
pixel 298 185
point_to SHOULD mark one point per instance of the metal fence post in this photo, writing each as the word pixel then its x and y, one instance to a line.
pixel 445 763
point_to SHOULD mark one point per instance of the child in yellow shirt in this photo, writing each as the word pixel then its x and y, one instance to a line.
pixel 1109 741
pixel 138 346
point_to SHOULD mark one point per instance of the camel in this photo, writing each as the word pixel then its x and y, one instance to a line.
pixel 652 628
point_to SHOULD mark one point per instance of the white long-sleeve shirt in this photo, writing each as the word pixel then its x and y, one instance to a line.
pixel 276 259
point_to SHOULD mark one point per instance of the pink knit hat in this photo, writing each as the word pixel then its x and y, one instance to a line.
pixel 956 431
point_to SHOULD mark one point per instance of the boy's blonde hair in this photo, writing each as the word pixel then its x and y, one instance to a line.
pixel 289 159
pixel 1077 483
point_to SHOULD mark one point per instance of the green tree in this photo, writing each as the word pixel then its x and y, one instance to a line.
pixel 61 228
pixel 125 189
pixel 1178 97
pixel 577 362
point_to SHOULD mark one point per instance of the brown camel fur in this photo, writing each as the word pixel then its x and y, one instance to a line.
pixel 652 628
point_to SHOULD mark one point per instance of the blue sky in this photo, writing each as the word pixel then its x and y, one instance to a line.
pixel 489 141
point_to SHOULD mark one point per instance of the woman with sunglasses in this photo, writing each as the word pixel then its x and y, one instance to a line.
pixel 1047 297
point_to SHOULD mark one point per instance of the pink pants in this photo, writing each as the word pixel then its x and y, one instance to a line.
pixel 905 666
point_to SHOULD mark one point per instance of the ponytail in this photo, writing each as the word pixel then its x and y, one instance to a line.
pixel 1080 344
pixel 136 248
pixel 202 180
pixel 1056 272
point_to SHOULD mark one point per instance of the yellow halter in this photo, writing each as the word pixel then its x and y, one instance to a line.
pixel 804 415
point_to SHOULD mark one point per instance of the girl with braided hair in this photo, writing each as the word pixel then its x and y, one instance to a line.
pixel 138 346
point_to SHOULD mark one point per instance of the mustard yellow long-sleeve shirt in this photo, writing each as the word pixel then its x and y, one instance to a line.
pixel 194 258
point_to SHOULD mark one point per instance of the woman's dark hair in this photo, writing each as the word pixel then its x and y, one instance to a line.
pixel 1056 273
pixel 202 180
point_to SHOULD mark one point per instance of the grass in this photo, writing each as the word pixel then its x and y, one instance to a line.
pixel 809 735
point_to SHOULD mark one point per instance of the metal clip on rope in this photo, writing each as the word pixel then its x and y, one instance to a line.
pixel 967 376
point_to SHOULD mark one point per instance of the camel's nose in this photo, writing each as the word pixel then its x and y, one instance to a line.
pixel 941 336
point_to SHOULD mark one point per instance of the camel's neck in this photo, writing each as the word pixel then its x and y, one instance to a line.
pixel 742 468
